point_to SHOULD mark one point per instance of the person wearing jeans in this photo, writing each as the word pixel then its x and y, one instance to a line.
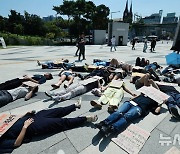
pixel 173 101
pixel 138 107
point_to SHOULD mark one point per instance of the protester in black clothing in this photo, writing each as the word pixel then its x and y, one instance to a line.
pixel 14 83
pixel 133 44
pixel 173 101
pixel 138 61
pixel 42 123
pixel 77 45
pixel 81 43
pixel 153 45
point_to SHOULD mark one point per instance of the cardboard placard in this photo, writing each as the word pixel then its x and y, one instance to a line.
pixel 6 121
pixel 132 139
pixel 2 42
pixel 30 84
pixel 137 74
pixel 118 70
pixel 138 67
pixel 90 80
pixel 116 84
pixel 154 94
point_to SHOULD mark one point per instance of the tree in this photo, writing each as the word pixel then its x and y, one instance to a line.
pixel 19 29
pixel 14 19
pixel 67 8
pixel 100 19
pixel 33 25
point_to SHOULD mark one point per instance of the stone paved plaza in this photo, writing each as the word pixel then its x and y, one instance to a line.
pixel 21 60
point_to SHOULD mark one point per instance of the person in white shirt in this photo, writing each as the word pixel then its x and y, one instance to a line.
pixel 113 43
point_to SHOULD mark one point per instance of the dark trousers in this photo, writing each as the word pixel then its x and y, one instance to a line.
pixel 82 52
pixel 5 98
pixel 51 121
pixel 11 84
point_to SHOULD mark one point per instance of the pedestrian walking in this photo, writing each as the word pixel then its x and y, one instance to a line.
pixel 145 46
pixel 113 43
pixel 133 44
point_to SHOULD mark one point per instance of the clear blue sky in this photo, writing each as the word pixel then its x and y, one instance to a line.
pixel 44 7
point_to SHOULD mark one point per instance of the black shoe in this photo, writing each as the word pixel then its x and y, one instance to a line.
pixel 80 76
pixel 174 112
pixel 106 130
pixel 100 125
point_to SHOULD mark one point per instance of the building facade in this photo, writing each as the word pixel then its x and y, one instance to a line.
pixel 170 18
pixel 120 31
pixel 154 18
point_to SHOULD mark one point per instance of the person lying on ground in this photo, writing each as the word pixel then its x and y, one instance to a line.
pixel 41 123
pixel 128 112
pixel 116 73
pixel 144 81
pixel 114 63
pixel 63 63
pixel 65 75
pixel 112 95
pixel 8 96
pixel 173 77
pixel 153 74
pixel 75 89
pixel 102 72
pixel 173 101
pixel 14 83
pixel 98 62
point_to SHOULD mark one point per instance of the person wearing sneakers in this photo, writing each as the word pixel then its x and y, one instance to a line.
pixel 65 75
pixel 128 112
pixel 112 95
pixel 41 123
pixel 75 89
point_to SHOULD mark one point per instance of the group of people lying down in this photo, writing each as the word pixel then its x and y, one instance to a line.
pixel 104 82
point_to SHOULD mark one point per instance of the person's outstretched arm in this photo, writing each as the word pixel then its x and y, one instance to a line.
pixel 128 91
pixel 31 92
pixel 30 79
pixel 20 138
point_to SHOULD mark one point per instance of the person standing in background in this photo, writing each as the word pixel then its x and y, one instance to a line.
pixel 145 46
pixel 113 43
pixel 77 45
pixel 81 43
pixel 133 44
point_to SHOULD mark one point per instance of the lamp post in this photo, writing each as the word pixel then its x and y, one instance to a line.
pixel 111 28
pixel 114 12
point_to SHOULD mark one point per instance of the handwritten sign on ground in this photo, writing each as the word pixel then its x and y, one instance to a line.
pixel 137 74
pixel 90 80
pixel 116 84
pixel 132 139
pixel 30 84
pixel 154 94
pixel 6 121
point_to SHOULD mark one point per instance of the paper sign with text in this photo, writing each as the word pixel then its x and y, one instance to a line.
pixel 154 94
pixel 6 121
pixel 132 139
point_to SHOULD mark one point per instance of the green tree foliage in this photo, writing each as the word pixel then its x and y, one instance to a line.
pixel 100 19
pixel 34 25
pixel 86 15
